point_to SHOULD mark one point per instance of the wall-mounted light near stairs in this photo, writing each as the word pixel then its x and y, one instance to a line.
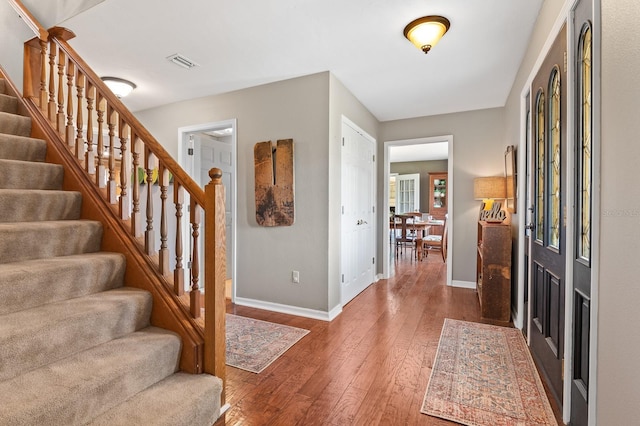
pixel 119 86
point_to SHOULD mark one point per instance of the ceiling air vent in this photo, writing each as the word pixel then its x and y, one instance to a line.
pixel 180 60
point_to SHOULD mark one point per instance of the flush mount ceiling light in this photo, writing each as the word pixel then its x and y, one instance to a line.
pixel 120 87
pixel 425 32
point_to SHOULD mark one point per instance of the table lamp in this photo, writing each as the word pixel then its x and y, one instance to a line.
pixel 488 189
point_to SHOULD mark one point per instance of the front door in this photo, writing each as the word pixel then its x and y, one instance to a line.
pixel 548 248
pixel 581 309
pixel 358 201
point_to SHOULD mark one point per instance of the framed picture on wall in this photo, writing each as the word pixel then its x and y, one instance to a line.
pixel 511 175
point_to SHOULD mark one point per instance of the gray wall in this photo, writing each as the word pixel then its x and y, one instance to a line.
pixel 423 168
pixel 297 109
pixel 13 33
pixel 478 150
pixel 619 292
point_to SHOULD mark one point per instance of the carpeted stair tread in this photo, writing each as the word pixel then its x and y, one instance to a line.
pixel 179 400
pixel 8 104
pixel 35 337
pixel 23 148
pixel 15 174
pixel 58 278
pixel 19 205
pixel 37 240
pixel 76 389
pixel 2 86
pixel 14 124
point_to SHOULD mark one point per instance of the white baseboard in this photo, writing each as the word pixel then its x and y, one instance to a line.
pixel 224 408
pixel 379 277
pixel 291 310
pixel 463 284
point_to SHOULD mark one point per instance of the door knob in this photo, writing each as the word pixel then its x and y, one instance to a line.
pixel 530 226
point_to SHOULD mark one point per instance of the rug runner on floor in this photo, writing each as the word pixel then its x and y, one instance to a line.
pixel 253 345
pixel 484 375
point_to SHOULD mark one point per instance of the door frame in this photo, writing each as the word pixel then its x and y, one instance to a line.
pixel 374 237
pixel 566 16
pixel 183 134
pixel 385 206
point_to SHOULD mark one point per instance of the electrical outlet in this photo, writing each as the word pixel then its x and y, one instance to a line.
pixel 295 277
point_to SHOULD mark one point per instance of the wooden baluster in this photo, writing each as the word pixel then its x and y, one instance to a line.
pixel 163 178
pixel 69 134
pixel 79 122
pixel 90 157
pixel 101 174
pixel 60 115
pixel 125 171
pixel 136 222
pixel 112 189
pixel 43 75
pixel 178 273
pixel 215 275
pixel 195 297
pixel 149 235
pixel 52 82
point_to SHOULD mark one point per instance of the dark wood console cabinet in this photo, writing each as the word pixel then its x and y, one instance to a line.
pixel 493 277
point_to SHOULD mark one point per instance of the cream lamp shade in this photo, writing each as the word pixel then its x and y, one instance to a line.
pixel 489 187
pixel 427 31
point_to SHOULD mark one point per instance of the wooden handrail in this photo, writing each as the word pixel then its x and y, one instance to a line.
pixel 29 19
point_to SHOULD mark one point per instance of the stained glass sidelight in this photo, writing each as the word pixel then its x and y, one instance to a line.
pixel 540 150
pixel 584 156
pixel 554 160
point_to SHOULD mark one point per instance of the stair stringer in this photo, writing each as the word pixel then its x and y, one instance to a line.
pixel 141 272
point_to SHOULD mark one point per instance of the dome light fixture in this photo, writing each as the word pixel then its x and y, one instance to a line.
pixel 427 31
pixel 120 87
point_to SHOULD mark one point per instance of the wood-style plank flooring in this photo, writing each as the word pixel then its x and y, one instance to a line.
pixel 369 366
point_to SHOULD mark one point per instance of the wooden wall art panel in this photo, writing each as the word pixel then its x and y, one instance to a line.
pixel 274 183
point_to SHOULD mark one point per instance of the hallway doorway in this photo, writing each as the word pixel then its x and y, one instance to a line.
pixel 200 148
pixel 412 145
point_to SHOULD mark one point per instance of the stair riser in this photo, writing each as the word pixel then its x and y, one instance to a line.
pixel 8 104
pixel 30 175
pixel 164 404
pixel 38 240
pixel 15 124
pixel 33 206
pixel 75 276
pixel 21 148
pixel 95 381
pixel 37 337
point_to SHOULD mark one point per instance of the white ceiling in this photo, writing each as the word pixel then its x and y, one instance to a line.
pixel 245 43
pixel 419 152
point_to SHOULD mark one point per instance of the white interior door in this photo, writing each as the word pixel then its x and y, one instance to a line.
pixel 217 152
pixel 358 218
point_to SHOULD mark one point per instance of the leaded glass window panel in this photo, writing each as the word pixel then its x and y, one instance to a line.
pixel 554 160
pixel 584 155
pixel 540 165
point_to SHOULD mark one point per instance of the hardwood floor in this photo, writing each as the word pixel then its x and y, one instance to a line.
pixel 369 366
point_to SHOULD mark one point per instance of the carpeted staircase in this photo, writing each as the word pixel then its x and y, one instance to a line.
pixel 76 347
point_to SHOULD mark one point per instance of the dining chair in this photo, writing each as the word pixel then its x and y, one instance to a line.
pixel 408 240
pixel 436 242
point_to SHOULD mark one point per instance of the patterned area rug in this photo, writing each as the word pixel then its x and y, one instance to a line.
pixel 253 344
pixel 484 375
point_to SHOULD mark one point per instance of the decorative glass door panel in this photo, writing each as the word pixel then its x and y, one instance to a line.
pixel 547 256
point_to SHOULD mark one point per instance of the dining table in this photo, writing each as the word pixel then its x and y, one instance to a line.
pixel 422 227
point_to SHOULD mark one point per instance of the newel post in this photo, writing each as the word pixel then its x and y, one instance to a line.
pixel 215 273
